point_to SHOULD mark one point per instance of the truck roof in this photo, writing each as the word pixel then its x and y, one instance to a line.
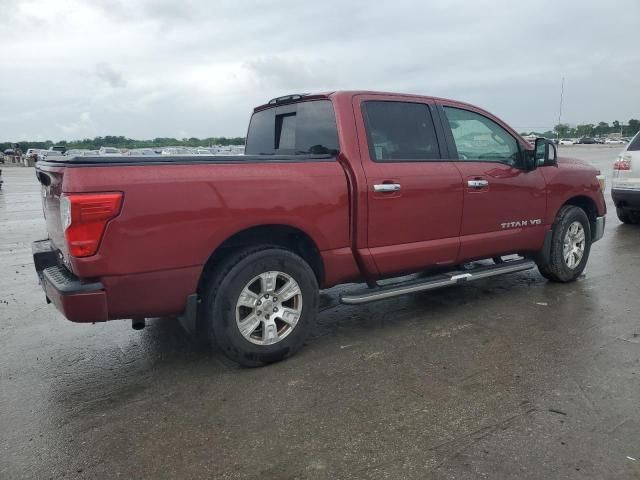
pixel 298 97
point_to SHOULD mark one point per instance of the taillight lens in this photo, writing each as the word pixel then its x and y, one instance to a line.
pixel 623 163
pixel 84 217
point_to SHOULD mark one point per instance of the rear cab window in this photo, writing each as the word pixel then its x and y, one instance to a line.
pixel 400 131
pixel 303 128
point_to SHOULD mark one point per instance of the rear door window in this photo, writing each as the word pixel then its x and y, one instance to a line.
pixel 400 131
pixel 305 128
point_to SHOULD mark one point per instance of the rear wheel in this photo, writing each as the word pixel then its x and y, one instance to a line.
pixel 260 305
pixel 570 246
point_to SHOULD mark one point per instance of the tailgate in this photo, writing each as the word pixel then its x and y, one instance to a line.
pixel 50 178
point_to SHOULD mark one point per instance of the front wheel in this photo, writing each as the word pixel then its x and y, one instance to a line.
pixel 570 246
pixel 260 305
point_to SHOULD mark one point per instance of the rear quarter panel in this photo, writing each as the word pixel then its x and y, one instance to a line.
pixel 175 216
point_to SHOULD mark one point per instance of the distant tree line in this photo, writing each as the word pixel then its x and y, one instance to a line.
pixel 562 130
pixel 602 129
pixel 124 142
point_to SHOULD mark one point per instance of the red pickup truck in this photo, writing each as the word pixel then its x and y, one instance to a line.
pixel 333 188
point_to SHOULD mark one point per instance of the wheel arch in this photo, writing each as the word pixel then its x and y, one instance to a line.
pixel 588 205
pixel 285 236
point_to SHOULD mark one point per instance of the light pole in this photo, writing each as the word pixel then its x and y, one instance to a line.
pixel 560 112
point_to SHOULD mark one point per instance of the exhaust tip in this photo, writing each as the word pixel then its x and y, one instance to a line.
pixel 138 323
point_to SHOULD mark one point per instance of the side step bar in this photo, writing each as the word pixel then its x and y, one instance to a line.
pixel 437 281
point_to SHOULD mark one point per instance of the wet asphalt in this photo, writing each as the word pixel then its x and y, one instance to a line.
pixel 511 377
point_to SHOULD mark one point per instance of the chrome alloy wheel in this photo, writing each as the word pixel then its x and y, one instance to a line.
pixel 268 308
pixel 573 246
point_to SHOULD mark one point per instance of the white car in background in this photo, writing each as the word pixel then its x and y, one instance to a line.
pixel 147 152
pixel 202 151
pixel 32 153
pixel 625 185
pixel 50 154
pixel 176 151
pixel 566 141
pixel 614 141
pixel 109 152
pixel 77 152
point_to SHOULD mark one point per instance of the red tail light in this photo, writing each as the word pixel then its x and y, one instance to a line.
pixel 622 165
pixel 84 217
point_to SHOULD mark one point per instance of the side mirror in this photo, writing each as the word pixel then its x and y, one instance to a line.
pixel 545 153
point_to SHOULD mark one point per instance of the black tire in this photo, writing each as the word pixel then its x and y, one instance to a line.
pixel 626 216
pixel 221 292
pixel 554 267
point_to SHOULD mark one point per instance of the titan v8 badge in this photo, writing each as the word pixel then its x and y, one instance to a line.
pixel 521 223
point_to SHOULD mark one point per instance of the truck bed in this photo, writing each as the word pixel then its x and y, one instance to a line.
pixel 177 210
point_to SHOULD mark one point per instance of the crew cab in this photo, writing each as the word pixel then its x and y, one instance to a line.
pixel 333 188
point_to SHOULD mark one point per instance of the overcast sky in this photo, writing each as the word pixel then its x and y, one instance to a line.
pixel 150 68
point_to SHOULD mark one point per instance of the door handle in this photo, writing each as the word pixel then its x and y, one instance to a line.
pixel 478 183
pixel 386 187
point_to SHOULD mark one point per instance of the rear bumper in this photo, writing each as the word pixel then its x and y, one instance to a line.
pixel 149 294
pixel 626 198
pixel 77 300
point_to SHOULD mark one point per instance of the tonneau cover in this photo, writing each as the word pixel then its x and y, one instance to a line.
pixel 181 159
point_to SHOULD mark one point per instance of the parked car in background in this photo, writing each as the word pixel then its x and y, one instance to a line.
pixel 32 153
pixel 614 141
pixel 176 151
pixel 77 152
pixel 142 151
pixel 625 186
pixel 50 154
pixel 566 141
pixel 230 150
pixel 586 141
pixel 333 188
pixel 109 152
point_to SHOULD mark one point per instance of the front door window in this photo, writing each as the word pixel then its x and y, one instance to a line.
pixel 479 138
